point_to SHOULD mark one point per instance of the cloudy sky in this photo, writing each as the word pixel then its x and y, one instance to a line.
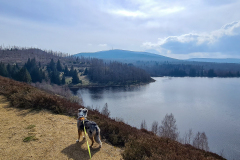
pixel 179 29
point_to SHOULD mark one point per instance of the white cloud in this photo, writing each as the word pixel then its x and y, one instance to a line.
pixel 148 10
pixel 102 45
pixel 224 41
pixel 129 13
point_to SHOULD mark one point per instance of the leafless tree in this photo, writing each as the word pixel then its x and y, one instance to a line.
pixel 168 128
pixel 155 127
pixel 188 137
pixel 196 140
pixel 144 125
pixel 204 142
pixel 105 110
pixel 201 141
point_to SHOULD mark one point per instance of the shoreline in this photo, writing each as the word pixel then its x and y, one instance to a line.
pixel 75 87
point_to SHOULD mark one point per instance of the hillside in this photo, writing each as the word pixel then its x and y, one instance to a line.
pixel 59 69
pixel 30 101
pixel 54 136
pixel 20 56
pixel 126 56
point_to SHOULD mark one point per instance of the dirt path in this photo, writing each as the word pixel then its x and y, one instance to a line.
pixel 51 137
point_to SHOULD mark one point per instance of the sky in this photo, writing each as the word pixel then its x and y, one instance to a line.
pixel 178 29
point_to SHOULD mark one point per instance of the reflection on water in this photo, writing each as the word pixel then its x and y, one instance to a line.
pixel 203 104
pixel 98 93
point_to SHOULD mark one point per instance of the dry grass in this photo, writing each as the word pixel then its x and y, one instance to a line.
pixel 52 137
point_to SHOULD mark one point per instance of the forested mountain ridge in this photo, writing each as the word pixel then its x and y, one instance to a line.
pixel 126 56
pixel 157 65
pixel 60 68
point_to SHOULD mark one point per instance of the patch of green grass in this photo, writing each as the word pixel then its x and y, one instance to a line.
pixel 31 126
pixel 29 138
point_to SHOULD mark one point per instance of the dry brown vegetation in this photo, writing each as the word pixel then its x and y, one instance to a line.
pixel 30 134
pixel 138 144
pixel 20 55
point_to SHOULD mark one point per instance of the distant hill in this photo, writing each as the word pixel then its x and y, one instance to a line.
pixel 215 60
pixel 124 55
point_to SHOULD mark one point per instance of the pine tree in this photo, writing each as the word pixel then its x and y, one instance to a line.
pixel 51 66
pixel 36 75
pixel 31 64
pixel 66 71
pixel 14 72
pixel 59 66
pixel 3 70
pixel 75 79
pixel 23 75
pixel 28 64
pixel 71 72
pixel 9 69
pixel 55 78
pixel 85 71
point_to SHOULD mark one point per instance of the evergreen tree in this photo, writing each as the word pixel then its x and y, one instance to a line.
pixel 15 70
pixel 28 64
pixel 71 72
pixel 55 78
pixel 23 75
pixel 3 70
pixel 36 75
pixel 51 66
pixel 9 69
pixel 85 71
pixel 75 78
pixel 31 65
pixel 66 71
pixel 59 66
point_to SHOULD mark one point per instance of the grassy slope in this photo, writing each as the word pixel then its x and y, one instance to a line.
pixel 53 136
pixel 138 144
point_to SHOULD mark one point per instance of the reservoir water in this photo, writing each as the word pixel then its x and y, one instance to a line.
pixel 210 105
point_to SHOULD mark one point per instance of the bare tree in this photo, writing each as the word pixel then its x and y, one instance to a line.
pixel 201 141
pixel 144 125
pixel 105 110
pixel 155 127
pixel 188 137
pixel 204 142
pixel 168 128
pixel 196 140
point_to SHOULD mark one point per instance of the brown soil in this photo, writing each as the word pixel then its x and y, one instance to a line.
pixel 53 136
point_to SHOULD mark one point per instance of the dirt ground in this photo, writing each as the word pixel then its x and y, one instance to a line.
pixel 51 136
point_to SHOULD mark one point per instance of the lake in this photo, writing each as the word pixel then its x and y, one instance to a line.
pixel 210 105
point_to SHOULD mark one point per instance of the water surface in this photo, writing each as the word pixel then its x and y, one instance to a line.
pixel 203 104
